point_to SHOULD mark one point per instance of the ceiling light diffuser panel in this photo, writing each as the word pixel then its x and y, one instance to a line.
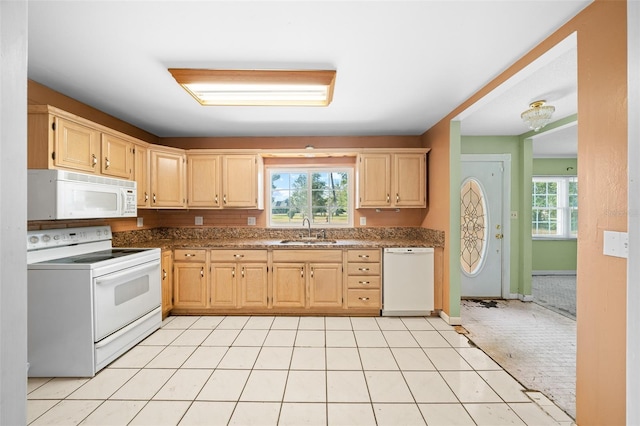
pixel 257 87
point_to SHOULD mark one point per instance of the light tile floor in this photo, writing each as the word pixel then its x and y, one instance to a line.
pixel 242 370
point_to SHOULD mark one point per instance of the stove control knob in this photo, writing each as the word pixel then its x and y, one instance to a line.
pixel 33 239
pixel 56 237
pixel 46 238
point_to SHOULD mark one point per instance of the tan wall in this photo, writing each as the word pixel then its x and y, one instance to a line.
pixel 437 138
pixel 602 173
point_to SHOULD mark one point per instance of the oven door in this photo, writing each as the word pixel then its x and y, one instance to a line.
pixel 123 296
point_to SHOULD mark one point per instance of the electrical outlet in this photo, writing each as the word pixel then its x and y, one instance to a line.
pixel 514 214
pixel 251 220
pixel 140 222
pixel 199 220
pixel 363 221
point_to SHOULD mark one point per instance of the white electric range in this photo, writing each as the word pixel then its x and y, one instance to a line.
pixel 88 303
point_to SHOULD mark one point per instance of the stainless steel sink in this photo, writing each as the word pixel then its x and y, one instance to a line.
pixel 308 241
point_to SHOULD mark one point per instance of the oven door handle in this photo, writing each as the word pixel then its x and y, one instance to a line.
pixel 127 273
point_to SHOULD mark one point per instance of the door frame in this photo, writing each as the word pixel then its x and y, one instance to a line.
pixel 505 159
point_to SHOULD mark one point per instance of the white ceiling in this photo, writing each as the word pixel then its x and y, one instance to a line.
pixel 401 65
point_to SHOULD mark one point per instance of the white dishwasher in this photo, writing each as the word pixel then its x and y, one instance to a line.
pixel 407 281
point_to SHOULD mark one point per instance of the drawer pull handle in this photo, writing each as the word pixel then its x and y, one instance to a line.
pixel 364 282
pixel 388 199
pixel 397 198
pixel 94 160
pixel 364 256
pixel 233 272
pixel 238 256
pixel 202 272
pixel 189 255
pixel 242 272
pixel 146 196
pixel 363 269
pixel 302 272
pixel 164 274
pixel 364 299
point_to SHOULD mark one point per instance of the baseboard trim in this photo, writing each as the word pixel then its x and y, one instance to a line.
pixel 554 272
pixel 450 320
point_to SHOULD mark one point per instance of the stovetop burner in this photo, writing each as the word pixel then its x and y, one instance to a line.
pixel 97 256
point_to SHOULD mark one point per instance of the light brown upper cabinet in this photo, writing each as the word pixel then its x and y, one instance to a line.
pixel 168 177
pixel 395 180
pixel 117 157
pixel 203 180
pixel 141 174
pixel 58 139
pixel 242 181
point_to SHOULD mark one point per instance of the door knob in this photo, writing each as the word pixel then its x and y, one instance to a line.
pixel 499 236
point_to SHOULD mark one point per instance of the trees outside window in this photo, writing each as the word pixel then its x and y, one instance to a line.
pixel 322 195
pixel 554 207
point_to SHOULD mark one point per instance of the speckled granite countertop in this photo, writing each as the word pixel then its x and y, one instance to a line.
pixel 261 238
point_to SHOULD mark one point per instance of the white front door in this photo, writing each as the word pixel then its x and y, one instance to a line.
pixel 482 230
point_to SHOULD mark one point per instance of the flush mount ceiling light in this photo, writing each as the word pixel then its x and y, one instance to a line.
pixel 538 115
pixel 257 87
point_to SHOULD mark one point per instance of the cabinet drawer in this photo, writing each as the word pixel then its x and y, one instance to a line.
pixel 181 255
pixel 363 298
pixel 363 256
pixel 238 255
pixel 308 255
pixel 361 281
pixel 358 268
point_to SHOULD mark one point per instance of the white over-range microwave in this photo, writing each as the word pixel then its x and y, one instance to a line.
pixel 61 194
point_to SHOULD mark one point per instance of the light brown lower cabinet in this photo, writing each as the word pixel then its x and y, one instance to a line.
pixel 167 281
pixel 278 281
pixel 238 279
pixel 189 279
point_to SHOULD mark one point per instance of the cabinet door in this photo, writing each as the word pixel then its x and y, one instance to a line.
pixel 203 180
pixel 289 285
pixel 167 179
pixel 117 157
pixel 253 279
pixel 239 181
pixel 167 282
pixel 189 285
pixel 410 180
pixel 76 146
pixel 223 285
pixel 325 285
pixel 141 173
pixel 374 180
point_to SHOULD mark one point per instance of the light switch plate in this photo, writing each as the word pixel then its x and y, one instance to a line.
pixel 363 221
pixel 251 220
pixel 199 220
pixel 140 222
pixel 616 244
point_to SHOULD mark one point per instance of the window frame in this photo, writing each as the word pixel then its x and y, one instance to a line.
pixel 564 211
pixel 303 168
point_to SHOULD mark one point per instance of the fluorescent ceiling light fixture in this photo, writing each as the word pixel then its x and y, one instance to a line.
pixel 257 87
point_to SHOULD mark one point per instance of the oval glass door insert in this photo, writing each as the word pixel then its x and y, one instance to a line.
pixel 473 227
